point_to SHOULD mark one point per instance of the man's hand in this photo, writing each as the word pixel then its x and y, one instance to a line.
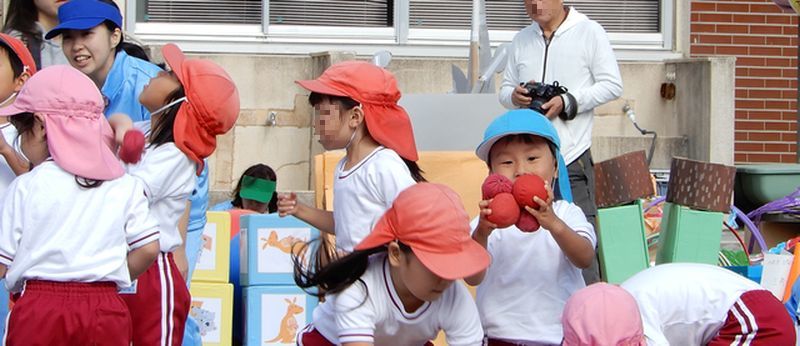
pixel 520 97
pixel 553 107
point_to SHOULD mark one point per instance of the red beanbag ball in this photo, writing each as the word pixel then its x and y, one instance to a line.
pixel 505 210
pixel 525 187
pixel 132 146
pixel 495 184
pixel 527 222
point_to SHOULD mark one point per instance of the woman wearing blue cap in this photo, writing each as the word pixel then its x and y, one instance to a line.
pixel 92 40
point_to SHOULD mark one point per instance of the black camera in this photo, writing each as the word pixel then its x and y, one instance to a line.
pixel 541 93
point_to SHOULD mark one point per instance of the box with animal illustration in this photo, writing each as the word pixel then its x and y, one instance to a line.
pixel 213 264
pixel 268 242
pixel 212 308
pixel 274 314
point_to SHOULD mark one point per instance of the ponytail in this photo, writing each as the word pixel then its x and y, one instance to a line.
pixel 333 274
pixel 416 172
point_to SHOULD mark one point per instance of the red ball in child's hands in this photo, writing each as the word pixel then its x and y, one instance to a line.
pixel 505 210
pixel 495 184
pixel 132 146
pixel 526 187
pixel 527 222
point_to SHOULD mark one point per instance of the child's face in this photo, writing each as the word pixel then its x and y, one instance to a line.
pixel 49 7
pixel 91 51
pixel 155 93
pixel 34 143
pixel 334 125
pixel 8 84
pixel 418 279
pixel 253 205
pixel 516 157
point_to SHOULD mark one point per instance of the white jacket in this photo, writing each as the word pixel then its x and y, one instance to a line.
pixel 580 58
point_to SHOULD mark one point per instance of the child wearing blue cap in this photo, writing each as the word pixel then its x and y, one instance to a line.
pixel 92 40
pixel 522 294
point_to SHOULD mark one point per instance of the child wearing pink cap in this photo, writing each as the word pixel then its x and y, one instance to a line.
pixel 76 228
pixel 701 304
pixel 602 314
pixel 190 105
pixel 397 287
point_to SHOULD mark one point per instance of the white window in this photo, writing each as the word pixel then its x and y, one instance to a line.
pixel 372 24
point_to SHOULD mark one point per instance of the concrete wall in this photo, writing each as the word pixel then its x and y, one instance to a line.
pixel 687 125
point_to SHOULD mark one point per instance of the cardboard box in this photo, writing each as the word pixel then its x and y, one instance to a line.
pixel 621 242
pixel 267 243
pixel 274 314
pixel 689 235
pixel 213 264
pixel 212 308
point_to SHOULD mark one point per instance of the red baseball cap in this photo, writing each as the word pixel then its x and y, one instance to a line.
pixel 376 89
pixel 21 51
pixel 431 220
pixel 211 107
pixel 602 314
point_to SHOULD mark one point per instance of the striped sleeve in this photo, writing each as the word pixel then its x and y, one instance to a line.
pixel 141 227
pixel 10 223
pixel 573 216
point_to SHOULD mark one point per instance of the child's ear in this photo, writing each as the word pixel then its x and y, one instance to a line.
pixel 20 81
pixel 356 116
pixel 394 254
pixel 38 127
pixel 116 37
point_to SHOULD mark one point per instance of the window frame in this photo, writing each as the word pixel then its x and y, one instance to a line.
pixel 400 39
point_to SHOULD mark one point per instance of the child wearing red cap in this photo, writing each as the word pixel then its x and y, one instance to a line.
pixel 16 66
pixel 190 106
pixel 397 287
pixel 355 109
pixel 522 294
pixel 701 304
pixel 76 228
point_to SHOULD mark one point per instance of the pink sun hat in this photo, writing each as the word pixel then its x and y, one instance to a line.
pixel 79 137
pixel 602 314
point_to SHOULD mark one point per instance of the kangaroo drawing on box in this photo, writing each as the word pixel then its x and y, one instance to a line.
pixel 288 328
pixel 285 245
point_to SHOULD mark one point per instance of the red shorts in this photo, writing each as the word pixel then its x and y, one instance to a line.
pixel 69 313
pixel 757 318
pixel 160 305
pixel 310 336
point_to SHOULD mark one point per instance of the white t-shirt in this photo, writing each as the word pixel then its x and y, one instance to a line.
pixel 378 316
pixel 53 229
pixel 168 177
pixel 364 192
pixel 529 280
pixel 6 174
pixel 685 303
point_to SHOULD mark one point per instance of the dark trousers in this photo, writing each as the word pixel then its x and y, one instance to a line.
pixel 581 180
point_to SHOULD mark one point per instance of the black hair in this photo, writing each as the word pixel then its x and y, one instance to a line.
pixel 526 138
pixel 22 16
pixel 131 49
pixel 328 273
pixel 24 123
pixel 14 60
pixel 257 171
pixel 347 104
pixel 162 132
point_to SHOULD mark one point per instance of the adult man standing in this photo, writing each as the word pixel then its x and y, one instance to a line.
pixel 564 45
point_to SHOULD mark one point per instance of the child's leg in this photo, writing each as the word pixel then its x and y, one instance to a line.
pixel 67 313
pixel 160 305
pixel 757 318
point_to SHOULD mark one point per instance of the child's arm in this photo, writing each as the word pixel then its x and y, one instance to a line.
pixel 16 162
pixel 320 219
pixel 141 258
pixel 3 270
pixel 179 254
pixel 481 235
pixel 120 123
pixel 578 249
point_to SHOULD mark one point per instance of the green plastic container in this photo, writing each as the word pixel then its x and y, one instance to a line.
pixel 689 235
pixel 757 185
pixel 621 242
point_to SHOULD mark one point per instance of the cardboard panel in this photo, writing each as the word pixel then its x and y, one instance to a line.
pixel 212 308
pixel 274 314
pixel 622 180
pixel 213 264
pixel 701 185
pixel 267 242
pixel 621 242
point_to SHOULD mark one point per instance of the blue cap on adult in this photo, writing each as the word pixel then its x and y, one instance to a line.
pixel 84 15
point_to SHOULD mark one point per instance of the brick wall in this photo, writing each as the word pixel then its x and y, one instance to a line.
pixel 764 41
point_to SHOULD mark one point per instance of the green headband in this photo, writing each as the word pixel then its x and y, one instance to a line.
pixel 257 189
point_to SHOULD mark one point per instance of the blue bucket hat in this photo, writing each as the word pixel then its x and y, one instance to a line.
pixel 84 15
pixel 526 121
